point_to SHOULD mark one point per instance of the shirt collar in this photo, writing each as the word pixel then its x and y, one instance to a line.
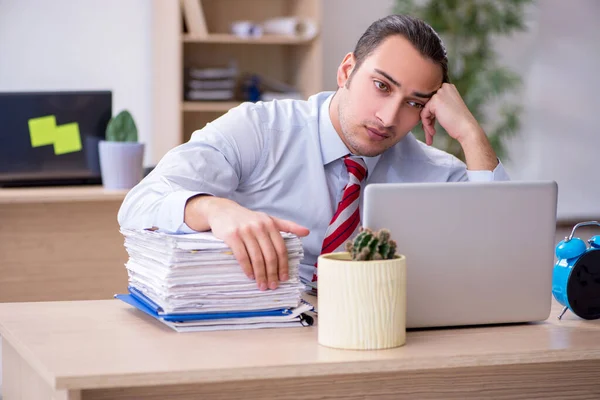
pixel 332 147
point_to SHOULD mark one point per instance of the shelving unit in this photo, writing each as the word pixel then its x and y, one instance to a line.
pixel 208 106
pixel 293 60
pixel 225 38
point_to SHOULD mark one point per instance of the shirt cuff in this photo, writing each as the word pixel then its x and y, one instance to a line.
pixel 498 174
pixel 171 213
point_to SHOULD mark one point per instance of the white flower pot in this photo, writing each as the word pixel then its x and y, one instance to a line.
pixel 362 304
pixel 121 164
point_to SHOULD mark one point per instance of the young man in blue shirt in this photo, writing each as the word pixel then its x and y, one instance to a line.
pixel 281 166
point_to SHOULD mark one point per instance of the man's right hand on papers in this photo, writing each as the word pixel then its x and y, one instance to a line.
pixel 254 237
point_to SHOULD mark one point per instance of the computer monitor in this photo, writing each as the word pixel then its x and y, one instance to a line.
pixel 51 138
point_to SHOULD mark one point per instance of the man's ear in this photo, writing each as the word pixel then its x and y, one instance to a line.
pixel 345 69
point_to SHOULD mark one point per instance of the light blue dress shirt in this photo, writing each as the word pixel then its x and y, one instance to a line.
pixel 282 158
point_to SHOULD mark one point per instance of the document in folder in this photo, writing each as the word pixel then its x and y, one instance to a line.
pixel 231 320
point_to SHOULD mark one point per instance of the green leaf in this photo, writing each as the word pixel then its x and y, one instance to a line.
pixel 122 128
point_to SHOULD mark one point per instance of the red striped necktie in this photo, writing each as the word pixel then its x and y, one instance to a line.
pixel 347 217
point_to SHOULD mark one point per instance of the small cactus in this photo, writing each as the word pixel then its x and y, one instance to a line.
pixel 121 128
pixel 369 245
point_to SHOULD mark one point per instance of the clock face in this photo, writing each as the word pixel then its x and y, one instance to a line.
pixel 583 287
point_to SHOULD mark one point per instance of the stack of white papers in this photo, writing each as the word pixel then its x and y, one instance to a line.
pixel 193 282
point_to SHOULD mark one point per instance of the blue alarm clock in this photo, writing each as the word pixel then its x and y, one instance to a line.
pixel 576 275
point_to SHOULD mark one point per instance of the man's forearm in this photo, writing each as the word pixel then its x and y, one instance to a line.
pixel 479 154
pixel 198 209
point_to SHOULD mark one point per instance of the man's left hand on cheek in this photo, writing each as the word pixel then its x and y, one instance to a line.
pixel 449 109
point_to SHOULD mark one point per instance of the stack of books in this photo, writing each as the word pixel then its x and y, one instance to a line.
pixel 192 282
pixel 211 84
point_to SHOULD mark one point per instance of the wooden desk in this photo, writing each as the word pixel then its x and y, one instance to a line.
pixel 60 244
pixel 107 350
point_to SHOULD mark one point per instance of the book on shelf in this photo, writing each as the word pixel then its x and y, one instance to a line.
pixel 193 16
pixel 211 83
pixel 209 95
pixel 229 72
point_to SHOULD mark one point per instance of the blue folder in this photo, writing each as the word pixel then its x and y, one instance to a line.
pixel 143 303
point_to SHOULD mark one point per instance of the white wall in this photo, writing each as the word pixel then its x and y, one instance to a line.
pixel 558 59
pixel 77 45
pixel 352 18
pixel 560 63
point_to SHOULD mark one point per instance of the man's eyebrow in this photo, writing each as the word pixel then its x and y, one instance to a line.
pixel 389 78
pixel 396 83
pixel 424 95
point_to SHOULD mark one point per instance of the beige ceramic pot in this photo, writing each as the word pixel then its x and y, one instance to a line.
pixel 362 304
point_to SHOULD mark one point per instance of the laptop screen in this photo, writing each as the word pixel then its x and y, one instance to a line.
pixel 52 137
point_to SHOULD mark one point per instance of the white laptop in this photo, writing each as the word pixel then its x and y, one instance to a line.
pixel 476 253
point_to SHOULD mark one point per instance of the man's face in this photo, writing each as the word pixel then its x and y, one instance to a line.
pixel 383 100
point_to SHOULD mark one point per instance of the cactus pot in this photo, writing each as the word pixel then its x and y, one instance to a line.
pixel 362 304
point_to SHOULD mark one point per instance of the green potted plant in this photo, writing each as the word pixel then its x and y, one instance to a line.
pixel 121 156
pixel 362 294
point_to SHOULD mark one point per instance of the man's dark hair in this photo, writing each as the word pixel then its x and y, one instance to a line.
pixel 417 32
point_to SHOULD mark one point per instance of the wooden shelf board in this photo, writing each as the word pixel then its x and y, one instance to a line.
pixel 209 106
pixel 63 194
pixel 229 38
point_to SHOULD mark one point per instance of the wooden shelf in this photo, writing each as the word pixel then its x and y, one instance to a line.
pixel 203 39
pixel 208 106
pixel 63 194
pixel 232 39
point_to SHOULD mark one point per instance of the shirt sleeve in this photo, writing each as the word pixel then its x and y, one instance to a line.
pixel 460 173
pixel 214 162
